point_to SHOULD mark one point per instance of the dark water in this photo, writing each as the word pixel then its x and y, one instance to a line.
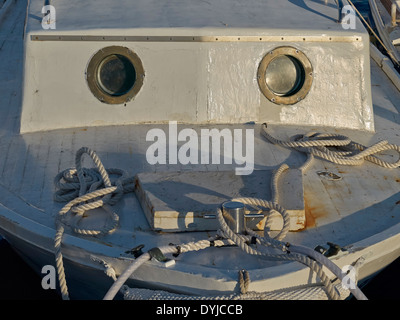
pixel 19 282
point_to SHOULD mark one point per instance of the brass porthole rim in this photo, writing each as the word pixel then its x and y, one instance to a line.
pixel 308 75
pixel 92 71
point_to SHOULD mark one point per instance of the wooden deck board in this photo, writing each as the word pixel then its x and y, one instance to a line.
pixel 42 156
pixel 11 57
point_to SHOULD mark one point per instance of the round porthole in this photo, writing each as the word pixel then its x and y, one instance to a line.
pixel 115 75
pixel 285 75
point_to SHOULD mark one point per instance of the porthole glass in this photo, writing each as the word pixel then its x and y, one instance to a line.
pixel 285 75
pixel 115 75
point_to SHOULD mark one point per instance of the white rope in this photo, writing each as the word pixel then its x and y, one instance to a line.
pixel 271 242
pixel 109 270
pixel 94 190
pixel 100 191
pixel 314 260
pixel 308 292
pixel 309 258
pixel 351 153
pixel 191 246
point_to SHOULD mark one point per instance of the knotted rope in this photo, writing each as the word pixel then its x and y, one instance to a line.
pixel 86 189
pixel 348 152
pixel 269 242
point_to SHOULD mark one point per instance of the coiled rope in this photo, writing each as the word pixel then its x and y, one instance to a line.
pixel 85 189
pixel 314 260
pixel 290 252
pixel 89 189
pixel 347 151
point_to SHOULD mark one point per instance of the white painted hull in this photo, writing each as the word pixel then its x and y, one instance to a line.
pixel 36 248
pixel 361 213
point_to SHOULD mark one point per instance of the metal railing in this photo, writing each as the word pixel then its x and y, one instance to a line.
pixel 341 14
pixel 394 8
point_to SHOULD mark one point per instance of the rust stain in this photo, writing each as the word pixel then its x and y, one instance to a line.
pixel 137 184
pixel 313 210
pixel 310 220
pixel 397 180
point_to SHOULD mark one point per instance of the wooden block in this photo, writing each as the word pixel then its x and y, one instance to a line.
pixel 178 201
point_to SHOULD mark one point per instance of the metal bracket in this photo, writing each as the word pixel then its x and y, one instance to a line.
pixel 235 216
pixel 157 254
pixel 333 249
pixel 137 251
